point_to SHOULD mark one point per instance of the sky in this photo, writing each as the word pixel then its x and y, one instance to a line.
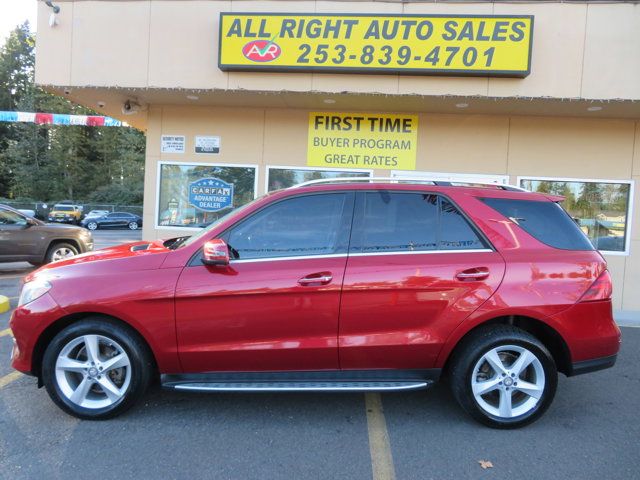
pixel 13 13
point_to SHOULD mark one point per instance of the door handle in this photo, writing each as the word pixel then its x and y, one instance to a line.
pixel 316 278
pixel 477 273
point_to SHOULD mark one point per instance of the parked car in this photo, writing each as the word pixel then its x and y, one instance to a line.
pixel 96 213
pixel 113 220
pixel 64 213
pixel 25 239
pixel 342 286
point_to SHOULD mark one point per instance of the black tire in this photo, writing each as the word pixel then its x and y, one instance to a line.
pixel 141 365
pixel 92 226
pixel 133 226
pixel 56 247
pixel 471 350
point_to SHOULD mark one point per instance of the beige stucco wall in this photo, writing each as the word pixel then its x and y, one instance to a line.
pixel 481 144
pixel 580 50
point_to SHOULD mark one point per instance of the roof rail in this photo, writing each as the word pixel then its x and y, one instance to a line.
pixel 423 180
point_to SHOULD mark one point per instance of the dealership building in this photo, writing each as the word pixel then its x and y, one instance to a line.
pixel 238 98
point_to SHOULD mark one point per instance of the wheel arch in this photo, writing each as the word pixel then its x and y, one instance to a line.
pixel 549 336
pixel 56 327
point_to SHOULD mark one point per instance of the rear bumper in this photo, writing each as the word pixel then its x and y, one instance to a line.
pixel 589 331
pixel 587 366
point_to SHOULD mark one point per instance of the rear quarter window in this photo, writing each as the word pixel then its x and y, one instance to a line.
pixel 546 221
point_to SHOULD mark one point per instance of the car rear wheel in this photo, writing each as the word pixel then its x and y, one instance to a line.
pixel 92 225
pixel 503 377
pixel 60 251
pixel 96 369
pixel 133 225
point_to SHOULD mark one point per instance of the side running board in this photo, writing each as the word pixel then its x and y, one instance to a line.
pixel 298 386
pixel 325 381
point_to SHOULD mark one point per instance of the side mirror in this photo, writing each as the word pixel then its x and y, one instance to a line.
pixel 215 252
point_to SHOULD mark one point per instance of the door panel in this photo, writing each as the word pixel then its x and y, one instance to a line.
pixel 397 310
pixel 276 306
pixel 256 316
pixel 416 269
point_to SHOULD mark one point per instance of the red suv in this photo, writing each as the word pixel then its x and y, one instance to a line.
pixel 341 286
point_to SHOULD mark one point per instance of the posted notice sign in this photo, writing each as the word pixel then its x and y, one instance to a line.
pixel 362 140
pixel 487 45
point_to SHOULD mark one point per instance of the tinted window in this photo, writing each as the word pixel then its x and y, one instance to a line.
pixel 456 233
pixel 395 222
pixel 308 225
pixel 8 217
pixel 546 221
pixel 114 215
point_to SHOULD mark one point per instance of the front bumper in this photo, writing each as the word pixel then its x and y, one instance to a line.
pixel 27 323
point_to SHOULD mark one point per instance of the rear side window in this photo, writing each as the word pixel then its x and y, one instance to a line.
pixel 400 222
pixel 545 221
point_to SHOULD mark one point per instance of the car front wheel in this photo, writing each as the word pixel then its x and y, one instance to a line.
pixel 92 226
pixel 96 369
pixel 503 377
pixel 60 251
pixel 133 225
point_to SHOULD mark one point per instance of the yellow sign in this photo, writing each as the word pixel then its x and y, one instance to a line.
pixel 491 45
pixel 362 140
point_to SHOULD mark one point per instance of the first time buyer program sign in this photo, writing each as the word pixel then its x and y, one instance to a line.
pixel 487 45
pixel 362 140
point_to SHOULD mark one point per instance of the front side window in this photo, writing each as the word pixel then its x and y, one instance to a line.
pixel 288 177
pixel 600 209
pixel 8 217
pixel 197 195
pixel 301 226
pixel 406 222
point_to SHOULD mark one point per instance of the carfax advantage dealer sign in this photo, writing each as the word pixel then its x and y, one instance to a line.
pixel 488 45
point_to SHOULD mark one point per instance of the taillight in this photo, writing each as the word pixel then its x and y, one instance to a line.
pixel 601 289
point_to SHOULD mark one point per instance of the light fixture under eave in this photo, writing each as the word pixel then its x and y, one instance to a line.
pixel 329 101
pixel 193 97
pixel 594 108
pixel 462 105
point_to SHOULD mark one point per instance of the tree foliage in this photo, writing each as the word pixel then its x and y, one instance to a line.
pixel 50 162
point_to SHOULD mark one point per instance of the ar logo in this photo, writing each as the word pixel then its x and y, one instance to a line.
pixel 261 51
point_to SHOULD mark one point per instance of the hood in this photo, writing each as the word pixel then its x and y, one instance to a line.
pixel 60 226
pixel 122 258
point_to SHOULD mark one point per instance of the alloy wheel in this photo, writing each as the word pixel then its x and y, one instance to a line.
pixel 508 381
pixel 93 371
pixel 62 253
pixel 133 226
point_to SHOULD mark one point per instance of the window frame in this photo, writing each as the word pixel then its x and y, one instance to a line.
pixel 174 228
pixel 357 220
pixel 631 183
pixel 268 169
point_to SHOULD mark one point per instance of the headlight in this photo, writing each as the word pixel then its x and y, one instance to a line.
pixel 32 290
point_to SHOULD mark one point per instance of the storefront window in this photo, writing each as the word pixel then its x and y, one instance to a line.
pixel 196 195
pixel 281 177
pixel 601 209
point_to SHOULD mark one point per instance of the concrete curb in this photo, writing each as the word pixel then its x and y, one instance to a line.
pixel 4 304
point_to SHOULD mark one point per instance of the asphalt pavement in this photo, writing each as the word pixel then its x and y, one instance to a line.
pixel 592 430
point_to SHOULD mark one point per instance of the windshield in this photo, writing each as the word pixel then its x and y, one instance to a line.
pixel 184 241
pixel 63 208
